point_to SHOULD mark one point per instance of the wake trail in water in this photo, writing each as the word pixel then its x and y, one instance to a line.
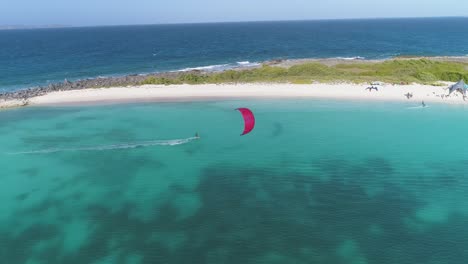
pixel 417 107
pixel 131 145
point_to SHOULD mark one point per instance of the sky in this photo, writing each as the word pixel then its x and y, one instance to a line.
pixel 129 12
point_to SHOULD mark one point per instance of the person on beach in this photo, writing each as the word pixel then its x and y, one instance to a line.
pixel 370 88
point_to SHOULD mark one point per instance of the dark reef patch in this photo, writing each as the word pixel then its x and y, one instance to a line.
pixel 248 215
pixel 277 129
pixel 30 172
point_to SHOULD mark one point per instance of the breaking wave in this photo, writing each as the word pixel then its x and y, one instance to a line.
pixel 222 67
pixel 351 58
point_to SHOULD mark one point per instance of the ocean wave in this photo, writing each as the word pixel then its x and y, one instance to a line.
pixel 131 145
pixel 352 58
pixel 248 64
pixel 216 67
pixel 222 67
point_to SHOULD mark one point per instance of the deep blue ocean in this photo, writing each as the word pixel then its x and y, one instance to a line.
pixel 41 56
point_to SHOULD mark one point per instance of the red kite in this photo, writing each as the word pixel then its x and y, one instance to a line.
pixel 249 120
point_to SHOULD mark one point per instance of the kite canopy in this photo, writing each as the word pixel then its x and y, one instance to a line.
pixel 249 120
pixel 459 86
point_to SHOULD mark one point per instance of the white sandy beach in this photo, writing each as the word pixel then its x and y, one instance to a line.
pixel 241 91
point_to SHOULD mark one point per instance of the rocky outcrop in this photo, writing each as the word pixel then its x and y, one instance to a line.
pixel 129 80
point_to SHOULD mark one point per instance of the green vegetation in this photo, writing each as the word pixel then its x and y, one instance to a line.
pixel 423 71
pixel 166 81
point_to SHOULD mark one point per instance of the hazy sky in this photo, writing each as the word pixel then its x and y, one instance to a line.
pixel 118 12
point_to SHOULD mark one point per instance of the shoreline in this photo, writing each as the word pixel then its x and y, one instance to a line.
pixel 353 60
pixel 208 92
pixel 136 79
pixel 137 87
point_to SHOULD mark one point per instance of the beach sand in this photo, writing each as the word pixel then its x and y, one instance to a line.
pixel 12 103
pixel 155 93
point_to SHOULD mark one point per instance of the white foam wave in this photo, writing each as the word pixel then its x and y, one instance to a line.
pixel 352 58
pixel 131 145
pixel 248 64
pixel 218 67
pixel 222 67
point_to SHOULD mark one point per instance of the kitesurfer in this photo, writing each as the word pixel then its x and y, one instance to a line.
pixel 423 104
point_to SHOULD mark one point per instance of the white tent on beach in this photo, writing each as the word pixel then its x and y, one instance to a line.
pixel 459 86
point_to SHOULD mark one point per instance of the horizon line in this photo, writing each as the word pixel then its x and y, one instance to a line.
pixel 57 26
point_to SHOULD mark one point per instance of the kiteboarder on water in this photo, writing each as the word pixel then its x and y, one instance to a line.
pixel 423 104
pixel 197 136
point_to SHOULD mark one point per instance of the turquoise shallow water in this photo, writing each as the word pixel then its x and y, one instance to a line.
pixel 315 182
